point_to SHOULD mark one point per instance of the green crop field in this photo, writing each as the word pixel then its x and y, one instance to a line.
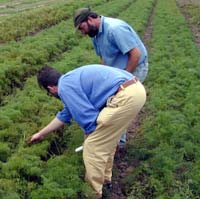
pixel 166 147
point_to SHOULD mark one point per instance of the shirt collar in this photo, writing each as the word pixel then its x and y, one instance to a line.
pixel 100 26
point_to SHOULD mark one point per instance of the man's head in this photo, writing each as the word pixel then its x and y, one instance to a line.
pixel 86 21
pixel 48 79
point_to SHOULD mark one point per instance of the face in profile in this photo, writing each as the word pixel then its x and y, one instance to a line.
pixel 52 91
pixel 92 30
pixel 88 28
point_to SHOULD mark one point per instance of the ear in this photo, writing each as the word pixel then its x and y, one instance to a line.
pixel 90 19
pixel 52 89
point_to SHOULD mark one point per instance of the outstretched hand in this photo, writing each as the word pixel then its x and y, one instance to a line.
pixel 37 137
pixel 52 126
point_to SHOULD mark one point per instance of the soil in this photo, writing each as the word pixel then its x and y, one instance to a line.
pixel 195 28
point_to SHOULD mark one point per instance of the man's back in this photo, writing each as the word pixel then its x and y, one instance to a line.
pixel 114 40
pixel 97 82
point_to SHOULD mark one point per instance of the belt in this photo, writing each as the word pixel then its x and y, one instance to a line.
pixel 126 84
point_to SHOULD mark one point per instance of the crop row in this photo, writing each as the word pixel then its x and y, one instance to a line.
pixel 194 12
pixel 168 150
pixel 136 20
pixel 10 7
pixel 21 59
pixel 46 163
pixel 80 55
pixel 14 27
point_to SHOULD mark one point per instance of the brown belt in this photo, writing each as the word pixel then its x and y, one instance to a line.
pixel 128 83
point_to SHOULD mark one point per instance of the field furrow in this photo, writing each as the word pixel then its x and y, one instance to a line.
pixel 19 60
pixel 164 155
pixel 168 149
pixel 26 111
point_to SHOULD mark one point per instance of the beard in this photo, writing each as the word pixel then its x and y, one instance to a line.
pixel 93 30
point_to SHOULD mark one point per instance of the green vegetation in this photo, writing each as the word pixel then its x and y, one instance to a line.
pixel 167 147
pixel 33 172
pixel 194 12
pixel 11 7
pixel 21 59
pixel 14 27
pixel 18 60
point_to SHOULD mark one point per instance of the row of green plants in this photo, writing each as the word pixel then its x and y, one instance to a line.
pixel 38 171
pixel 136 20
pixel 167 147
pixel 14 27
pixel 3 1
pixel 194 12
pixel 6 5
pixel 77 55
pixel 21 59
pixel 9 7
pixel 75 58
pixel 57 171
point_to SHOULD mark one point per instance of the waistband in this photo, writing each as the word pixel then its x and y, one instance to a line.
pixel 127 83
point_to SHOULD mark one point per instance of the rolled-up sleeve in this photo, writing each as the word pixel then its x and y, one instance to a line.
pixel 124 43
pixel 64 115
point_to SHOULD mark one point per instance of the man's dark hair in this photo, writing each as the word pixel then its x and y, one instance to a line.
pixel 93 15
pixel 48 76
pixel 82 15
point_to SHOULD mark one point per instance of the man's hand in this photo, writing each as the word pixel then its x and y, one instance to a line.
pixel 54 125
pixel 37 137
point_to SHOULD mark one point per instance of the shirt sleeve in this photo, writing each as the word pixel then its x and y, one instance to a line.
pixel 64 115
pixel 81 109
pixel 124 38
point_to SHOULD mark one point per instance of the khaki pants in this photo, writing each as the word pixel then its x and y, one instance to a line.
pixel 99 147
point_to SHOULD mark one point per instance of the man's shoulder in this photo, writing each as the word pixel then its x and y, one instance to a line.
pixel 112 23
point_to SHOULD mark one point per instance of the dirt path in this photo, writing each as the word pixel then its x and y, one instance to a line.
pixel 195 28
pixel 121 166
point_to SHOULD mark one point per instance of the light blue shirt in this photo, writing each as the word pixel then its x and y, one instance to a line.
pixel 85 90
pixel 114 40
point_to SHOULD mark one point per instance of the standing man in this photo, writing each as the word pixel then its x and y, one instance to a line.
pixel 115 42
pixel 103 105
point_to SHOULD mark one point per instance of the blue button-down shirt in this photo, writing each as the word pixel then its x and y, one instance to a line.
pixel 85 90
pixel 114 40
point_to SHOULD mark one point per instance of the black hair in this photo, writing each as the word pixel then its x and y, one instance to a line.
pixel 93 15
pixel 48 76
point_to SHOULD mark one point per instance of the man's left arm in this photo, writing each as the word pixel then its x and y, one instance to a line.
pixel 125 39
pixel 133 59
